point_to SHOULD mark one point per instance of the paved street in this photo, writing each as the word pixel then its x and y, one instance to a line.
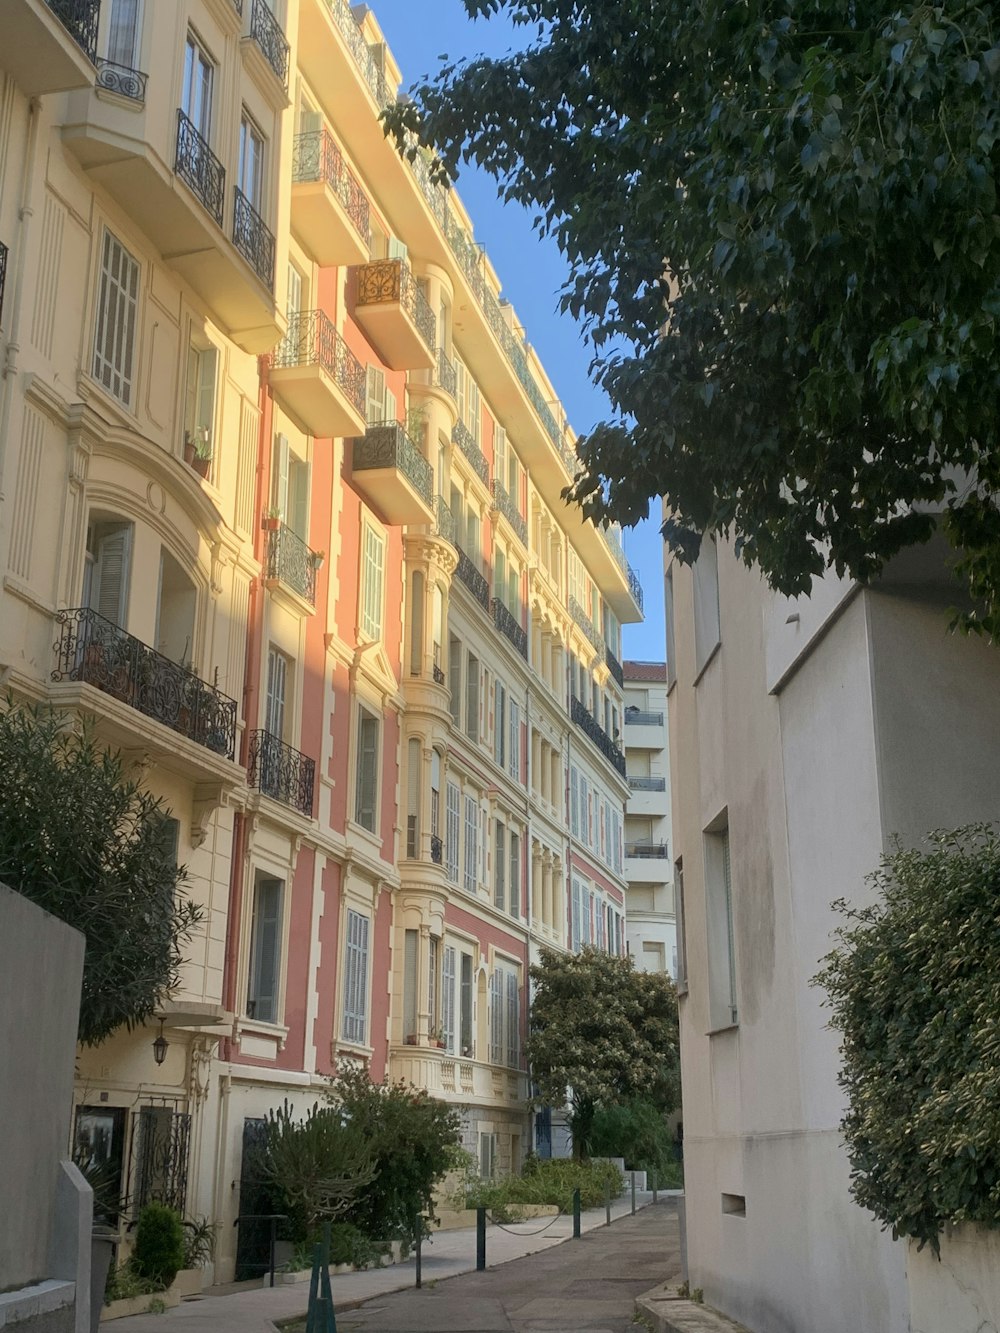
pixel 590 1284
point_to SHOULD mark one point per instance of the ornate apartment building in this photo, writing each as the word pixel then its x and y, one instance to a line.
pixel 280 509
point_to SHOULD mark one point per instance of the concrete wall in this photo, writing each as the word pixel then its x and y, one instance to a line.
pixel 960 1292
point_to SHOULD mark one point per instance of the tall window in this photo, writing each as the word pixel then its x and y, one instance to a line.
pixel 465 1006
pixel 381 402
pixel 448 1000
pixel 433 985
pixel 472 698
pixel 251 162
pixel 265 949
pixel 117 320
pixel 505 1017
pixel 366 811
pixel 124 28
pixel 500 737
pixel 471 875
pixel 499 866
pixel 514 877
pixel 355 1027
pixel 199 405
pixel 453 818
pixel 372 583
pixel 455 678
pixel 175 611
pixel 514 745
pixel 106 575
pixel 723 1006
pixel 199 76
pixel 277 686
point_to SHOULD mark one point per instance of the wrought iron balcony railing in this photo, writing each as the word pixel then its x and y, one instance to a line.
pixel 290 560
pixel 587 625
pixel 80 19
pixel 473 580
pixel 278 771
pixel 3 275
pixel 96 652
pixel 615 667
pixel 392 280
pixel 647 851
pixel 635 587
pixel 266 32
pixel 253 238
pixel 648 784
pixel 437 850
pixel 315 157
pixel 509 627
pixel 312 340
pixel 445 374
pixel 370 67
pixel 596 733
pixel 462 436
pixel 121 79
pixel 199 168
pixel 634 717
pixel 503 502
pixel 438 674
pixel 444 519
pixel 388 445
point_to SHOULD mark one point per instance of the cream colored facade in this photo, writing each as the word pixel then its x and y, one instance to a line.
pixel 280 479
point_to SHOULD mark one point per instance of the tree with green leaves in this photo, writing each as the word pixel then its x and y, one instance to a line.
pixel 914 988
pixel 602 1033
pixel 783 235
pixel 85 841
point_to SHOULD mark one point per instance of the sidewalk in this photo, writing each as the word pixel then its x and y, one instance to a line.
pixel 445 1255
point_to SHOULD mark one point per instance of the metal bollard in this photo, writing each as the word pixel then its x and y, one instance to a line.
pixel 420 1240
pixel 480 1240
pixel 632 1174
pixel 654 1186
pixel 576 1214
pixel 607 1203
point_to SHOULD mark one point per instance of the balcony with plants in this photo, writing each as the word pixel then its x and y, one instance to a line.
pixel 395 315
pixel 330 210
pixel 391 473
pixel 291 564
pixel 317 377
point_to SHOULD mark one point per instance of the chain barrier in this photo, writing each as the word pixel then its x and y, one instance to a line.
pixel 538 1232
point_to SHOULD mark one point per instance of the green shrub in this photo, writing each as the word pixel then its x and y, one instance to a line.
pixel 914 986
pixel 550 1181
pixel 638 1132
pixel 159 1244
pixel 124 1284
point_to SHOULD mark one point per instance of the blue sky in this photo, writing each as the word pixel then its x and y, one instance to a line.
pixel 531 268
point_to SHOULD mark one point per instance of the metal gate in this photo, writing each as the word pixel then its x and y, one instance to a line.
pixel 161 1142
pixel 253 1242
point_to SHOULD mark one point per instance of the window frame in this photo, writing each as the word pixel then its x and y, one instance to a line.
pixel 114 294
pixel 354 1020
pixel 366 717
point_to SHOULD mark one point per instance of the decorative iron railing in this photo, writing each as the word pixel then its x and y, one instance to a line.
pixel 503 502
pixel 96 652
pixel 438 674
pixel 648 784
pixel 647 851
pixel 596 733
pixel 509 627
pixel 462 436
pixel 635 587
pixel 312 340
pixel 587 625
pixel 473 580
pixel 615 667
pixel 121 79
pixel 291 561
pixel 445 375
pixel 634 717
pixel 199 168
pixel 368 63
pixel 278 771
pixel 161 1143
pixel 3 275
pixel 238 6
pixel 392 280
pixel 80 19
pixel 266 32
pixel 316 157
pixel 444 519
pixel 437 850
pixel 253 238
pixel 388 445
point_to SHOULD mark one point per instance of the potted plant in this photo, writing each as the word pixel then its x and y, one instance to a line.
pixel 189 448
pixel 437 1038
pixel 271 519
pixel 203 452
pixel 317 558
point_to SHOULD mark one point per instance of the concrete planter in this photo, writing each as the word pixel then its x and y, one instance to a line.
pixel 138 1305
pixel 188 1282
pixel 960 1293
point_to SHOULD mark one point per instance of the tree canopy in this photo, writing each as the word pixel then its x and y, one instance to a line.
pixel 914 988
pixel 601 1033
pixel 85 841
pixel 783 235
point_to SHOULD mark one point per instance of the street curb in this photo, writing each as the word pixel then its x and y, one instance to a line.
pixel 664 1312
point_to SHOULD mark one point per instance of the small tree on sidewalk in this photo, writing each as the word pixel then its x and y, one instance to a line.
pixel 87 843
pixel 601 1033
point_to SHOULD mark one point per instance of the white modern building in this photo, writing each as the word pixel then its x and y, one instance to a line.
pixel 810 733
pixel 651 932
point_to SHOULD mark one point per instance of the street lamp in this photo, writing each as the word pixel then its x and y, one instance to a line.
pixel 160 1046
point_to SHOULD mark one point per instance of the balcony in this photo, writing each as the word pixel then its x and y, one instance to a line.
pixel 648 798
pixel 444 520
pixel 468 574
pixel 644 731
pixel 283 774
pixel 615 667
pixel 507 624
pixel 49 47
pixel 291 562
pixel 318 378
pixel 462 436
pixel 442 378
pixel 267 39
pixel 330 210
pixel 395 315
pixel 597 735
pixel 199 168
pixel 393 475
pixel 121 80
pixel 647 784
pixel 253 239
pixel 587 625
pixel 648 863
pixel 96 652
pixel 503 504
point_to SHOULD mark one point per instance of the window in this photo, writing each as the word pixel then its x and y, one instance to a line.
pixel 512 1021
pixel 514 745
pixel 293 296
pixel 277 681
pixel 705 584
pixel 265 949
pixel 455 678
pixel 471 878
pixel 514 879
pixel 372 583
pixel 723 1009
pixel 251 162
pixel 413 784
pixel 117 319
pixel 433 985
pixel 452 832
pixel 576 917
pixel 499 866
pixel 500 724
pixel 175 611
pixel 124 28
pixel 680 963
pixel 381 402
pixel 448 1000
pixel 106 573
pixel 355 1027
pixel 472 698
pixel 487 1155
pixel 465 1006
pixel 367 793
pixel 505 1017
pixel 199 74
pixel 411 944
pixel 199 395
pixel 574 802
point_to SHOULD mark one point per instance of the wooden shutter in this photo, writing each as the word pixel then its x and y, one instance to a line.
pixel 279 480
pixel 500 724
pixel 368 735
pixel 514 744
pixel 513 1023
pixel 277 670
pixel 499 867
pixel 471 845
pixel 111 572
pixel 453 832
pixel 411 939
pixel 514 885
pixel 496 1017
pixel 472 698
pixel 465 1000
pixel 265 951
pixel 448 1000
